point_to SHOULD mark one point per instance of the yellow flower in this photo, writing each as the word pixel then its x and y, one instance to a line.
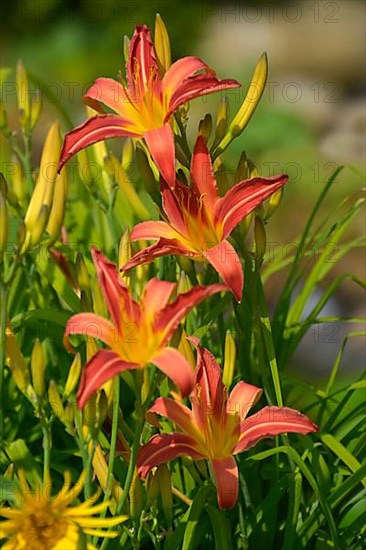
pixel 44 522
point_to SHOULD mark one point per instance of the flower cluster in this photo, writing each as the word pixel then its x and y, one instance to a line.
pixel 141 325
pixel 196 223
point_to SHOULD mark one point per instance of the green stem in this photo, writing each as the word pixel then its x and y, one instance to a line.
pixel 3 307
pixel 130 472
pixel 112 450
pixel 47 444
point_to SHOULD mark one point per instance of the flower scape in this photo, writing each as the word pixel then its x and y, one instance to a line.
pixel 163 396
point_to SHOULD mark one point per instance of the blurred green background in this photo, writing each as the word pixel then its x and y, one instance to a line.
pixel 310 120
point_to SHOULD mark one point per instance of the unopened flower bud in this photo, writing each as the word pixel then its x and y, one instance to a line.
pixel 165 483
pixel 23 99
pixel 259 238
pixel 38 369
pixel 135 496
pixel 73 376
pixel 162 45
pixel 15 361
pixel 274 202
pixel 55 400
pixel 205 127
pixel 230 358
pixel 124 251
pixel 249 104
pixel 57 214
pixel 222 119
pixel 81 272
pixel 4 220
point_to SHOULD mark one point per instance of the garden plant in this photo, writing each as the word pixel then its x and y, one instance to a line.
pixel 146 395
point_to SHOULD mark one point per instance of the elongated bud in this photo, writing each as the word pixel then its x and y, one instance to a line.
pixel 127 153
pixel 23 99
pixel 259 238
pixel 180 155
pixel 55 400
pixel 15 361
pixel 90 416
pixel 81 271
pixel 116 171
pixel 162 46
pixel 57 214
pixel 230 358
pixel 222 119
pixel 37 230
pixel 246 223
pixel 152 489
pixel 73 376
pixel 4 120
pixel 38 369
pixel 145 387
pixel 68 418
pixel 44 189
pixel 249 104
pixel 135 496
pixel 246 169
pixel 184 284
pixel 124 250
pixel 205 127
pixel 186 350
pixel 165 483
pixel 147 174
pixel 126 48
pixel 4 220
pixel 222 179
pixel 85 168
pixel 36 107
pixel 273 203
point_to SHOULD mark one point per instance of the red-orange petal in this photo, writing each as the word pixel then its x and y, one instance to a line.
pixel 114 290
pixel 176 367
pixel 202 175
pixel 103 366
pixel 169 318
pixel 92 325
pixel 227 481
pixel 93 130
pixel 243 198
pixel 176 412
pixel 153 230
pixel 225 260
pixel 108 92
pixel 160 142
pixel 269 422
pixel 165 447
pixel 242 398
pixel 196 86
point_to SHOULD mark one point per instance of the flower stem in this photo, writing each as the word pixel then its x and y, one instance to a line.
pixel 3 306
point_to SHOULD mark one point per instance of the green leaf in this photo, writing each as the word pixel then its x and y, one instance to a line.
pixel 339 450
pixel 220 527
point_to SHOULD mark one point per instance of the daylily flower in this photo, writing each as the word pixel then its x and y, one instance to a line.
pixel 138 333
pixel 143 108
pixel 216 428
pixel 198 220
pixel 40 521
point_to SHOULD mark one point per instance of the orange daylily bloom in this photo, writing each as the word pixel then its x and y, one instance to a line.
pixel 216 428
pixel 198 220
pixel 143 108
pixel 138 332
